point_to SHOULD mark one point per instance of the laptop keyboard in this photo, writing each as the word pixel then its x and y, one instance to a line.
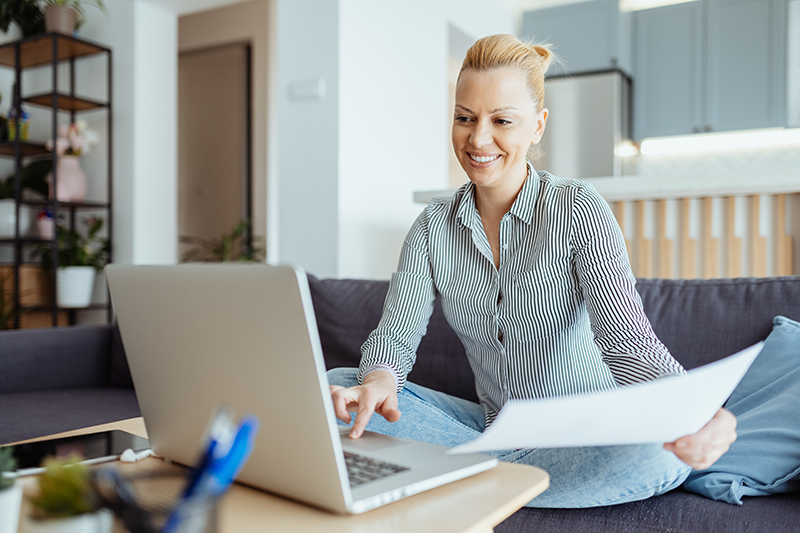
pixel 361 469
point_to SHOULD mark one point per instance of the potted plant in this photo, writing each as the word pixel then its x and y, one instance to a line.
pixel 64 16
pixel 10 493
pixel 26 14
pixel 79 259
pixel 33 180
pixel 230 247
pixel 66 501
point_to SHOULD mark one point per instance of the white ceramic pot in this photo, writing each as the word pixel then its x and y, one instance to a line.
pixel 74 286
pixel 8 216
pixel 100 522
pixel 10 501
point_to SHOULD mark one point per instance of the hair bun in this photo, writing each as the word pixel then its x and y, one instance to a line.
pixel 544 53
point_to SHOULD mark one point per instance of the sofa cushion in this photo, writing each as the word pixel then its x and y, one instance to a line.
pixel 53 358
pixel 348 310
pixel 674 512
pixel 701 321
pixel 765 459
pixel 119 375
pixel 31 414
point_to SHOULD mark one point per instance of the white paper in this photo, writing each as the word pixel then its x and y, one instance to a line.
pixel 653 412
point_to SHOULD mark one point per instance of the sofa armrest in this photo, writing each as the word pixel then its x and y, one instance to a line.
pixel 54 358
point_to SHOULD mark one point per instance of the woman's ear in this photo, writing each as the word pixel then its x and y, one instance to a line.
pixel 541 122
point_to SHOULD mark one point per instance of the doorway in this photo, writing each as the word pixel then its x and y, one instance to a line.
pixel 214 143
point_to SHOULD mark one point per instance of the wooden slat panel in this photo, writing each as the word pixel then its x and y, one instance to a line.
pixel 783 241
pixel 666 247
pixel 644 247
pixel 734 256
pixel 620 209
pixel 758 248
pixel 711 249
pixel 688 245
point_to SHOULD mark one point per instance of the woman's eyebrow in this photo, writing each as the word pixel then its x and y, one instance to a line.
pixel 468 110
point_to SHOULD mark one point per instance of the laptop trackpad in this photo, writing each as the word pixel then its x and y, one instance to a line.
pixel 368 441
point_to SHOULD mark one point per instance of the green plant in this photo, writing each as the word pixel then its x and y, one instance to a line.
pixel 229 247
pixel 7 464
pixel 65 489
pixel 26 13
pixel 75 249
pixel 33 176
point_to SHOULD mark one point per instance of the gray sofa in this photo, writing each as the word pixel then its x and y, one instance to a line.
pixel 699 321
pixel 59 379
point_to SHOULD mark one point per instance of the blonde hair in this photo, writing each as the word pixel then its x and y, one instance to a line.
pixel 497 51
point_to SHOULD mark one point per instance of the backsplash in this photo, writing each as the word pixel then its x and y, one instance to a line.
pixel 718 162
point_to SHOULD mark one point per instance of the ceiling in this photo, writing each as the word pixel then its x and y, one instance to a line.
pixel 184 7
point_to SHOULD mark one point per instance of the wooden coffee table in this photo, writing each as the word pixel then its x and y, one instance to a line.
pixel 472 505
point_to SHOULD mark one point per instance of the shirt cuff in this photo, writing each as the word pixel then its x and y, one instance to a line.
pixel 384 367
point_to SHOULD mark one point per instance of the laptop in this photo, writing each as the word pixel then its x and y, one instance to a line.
pixel 200 335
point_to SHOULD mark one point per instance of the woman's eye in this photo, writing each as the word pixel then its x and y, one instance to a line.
pixel 503 122
pixel 462 119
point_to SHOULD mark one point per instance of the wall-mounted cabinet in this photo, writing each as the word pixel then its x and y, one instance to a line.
pixel 588 36
pixel 709 65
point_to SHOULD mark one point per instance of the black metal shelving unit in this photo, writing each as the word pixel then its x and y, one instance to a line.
pixel 50 50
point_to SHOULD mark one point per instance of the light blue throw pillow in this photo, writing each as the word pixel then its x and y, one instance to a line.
pixel 765 459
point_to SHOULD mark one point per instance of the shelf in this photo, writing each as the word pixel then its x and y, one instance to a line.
pixel 69 205
pixel 28 149
pixel 65 102
pixel 53 52
pixel 24 240
pixel 37 50
pixel 48 308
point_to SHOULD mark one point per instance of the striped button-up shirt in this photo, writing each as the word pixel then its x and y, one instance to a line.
pixel 559 316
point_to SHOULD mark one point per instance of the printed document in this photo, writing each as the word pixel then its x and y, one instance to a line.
pixel 652 412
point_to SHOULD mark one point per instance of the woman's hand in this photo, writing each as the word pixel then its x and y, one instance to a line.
pixel 702 449
pixel 378 394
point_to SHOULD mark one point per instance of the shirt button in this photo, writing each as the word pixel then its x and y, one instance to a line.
pixel 505 247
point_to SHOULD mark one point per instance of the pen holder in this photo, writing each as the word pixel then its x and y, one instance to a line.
pixel 157 493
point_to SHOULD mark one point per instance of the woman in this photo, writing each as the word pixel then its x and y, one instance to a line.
pixel 534 278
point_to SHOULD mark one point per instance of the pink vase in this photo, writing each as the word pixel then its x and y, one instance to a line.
pixel 71 180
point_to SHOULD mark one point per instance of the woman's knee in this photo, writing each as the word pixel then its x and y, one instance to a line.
pixel 343 377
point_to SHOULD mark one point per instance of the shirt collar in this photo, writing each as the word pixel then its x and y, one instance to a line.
pixel 522 207
pixel 466 207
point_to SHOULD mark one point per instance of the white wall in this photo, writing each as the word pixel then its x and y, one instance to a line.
pixel 305 186
pixel 394 120
pixel 155 146
pixel 143 38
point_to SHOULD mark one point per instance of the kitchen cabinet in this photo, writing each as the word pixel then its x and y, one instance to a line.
pixel 746 64
pixel 588 36
pixel 709 65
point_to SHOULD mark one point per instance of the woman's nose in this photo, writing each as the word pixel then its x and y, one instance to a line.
pixel 481 135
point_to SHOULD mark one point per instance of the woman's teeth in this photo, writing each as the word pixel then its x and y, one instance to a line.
pixel 484 159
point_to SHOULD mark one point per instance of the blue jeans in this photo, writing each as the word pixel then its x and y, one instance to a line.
pixel 579 477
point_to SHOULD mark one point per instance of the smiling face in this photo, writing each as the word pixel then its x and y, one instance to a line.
pixel 495 123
